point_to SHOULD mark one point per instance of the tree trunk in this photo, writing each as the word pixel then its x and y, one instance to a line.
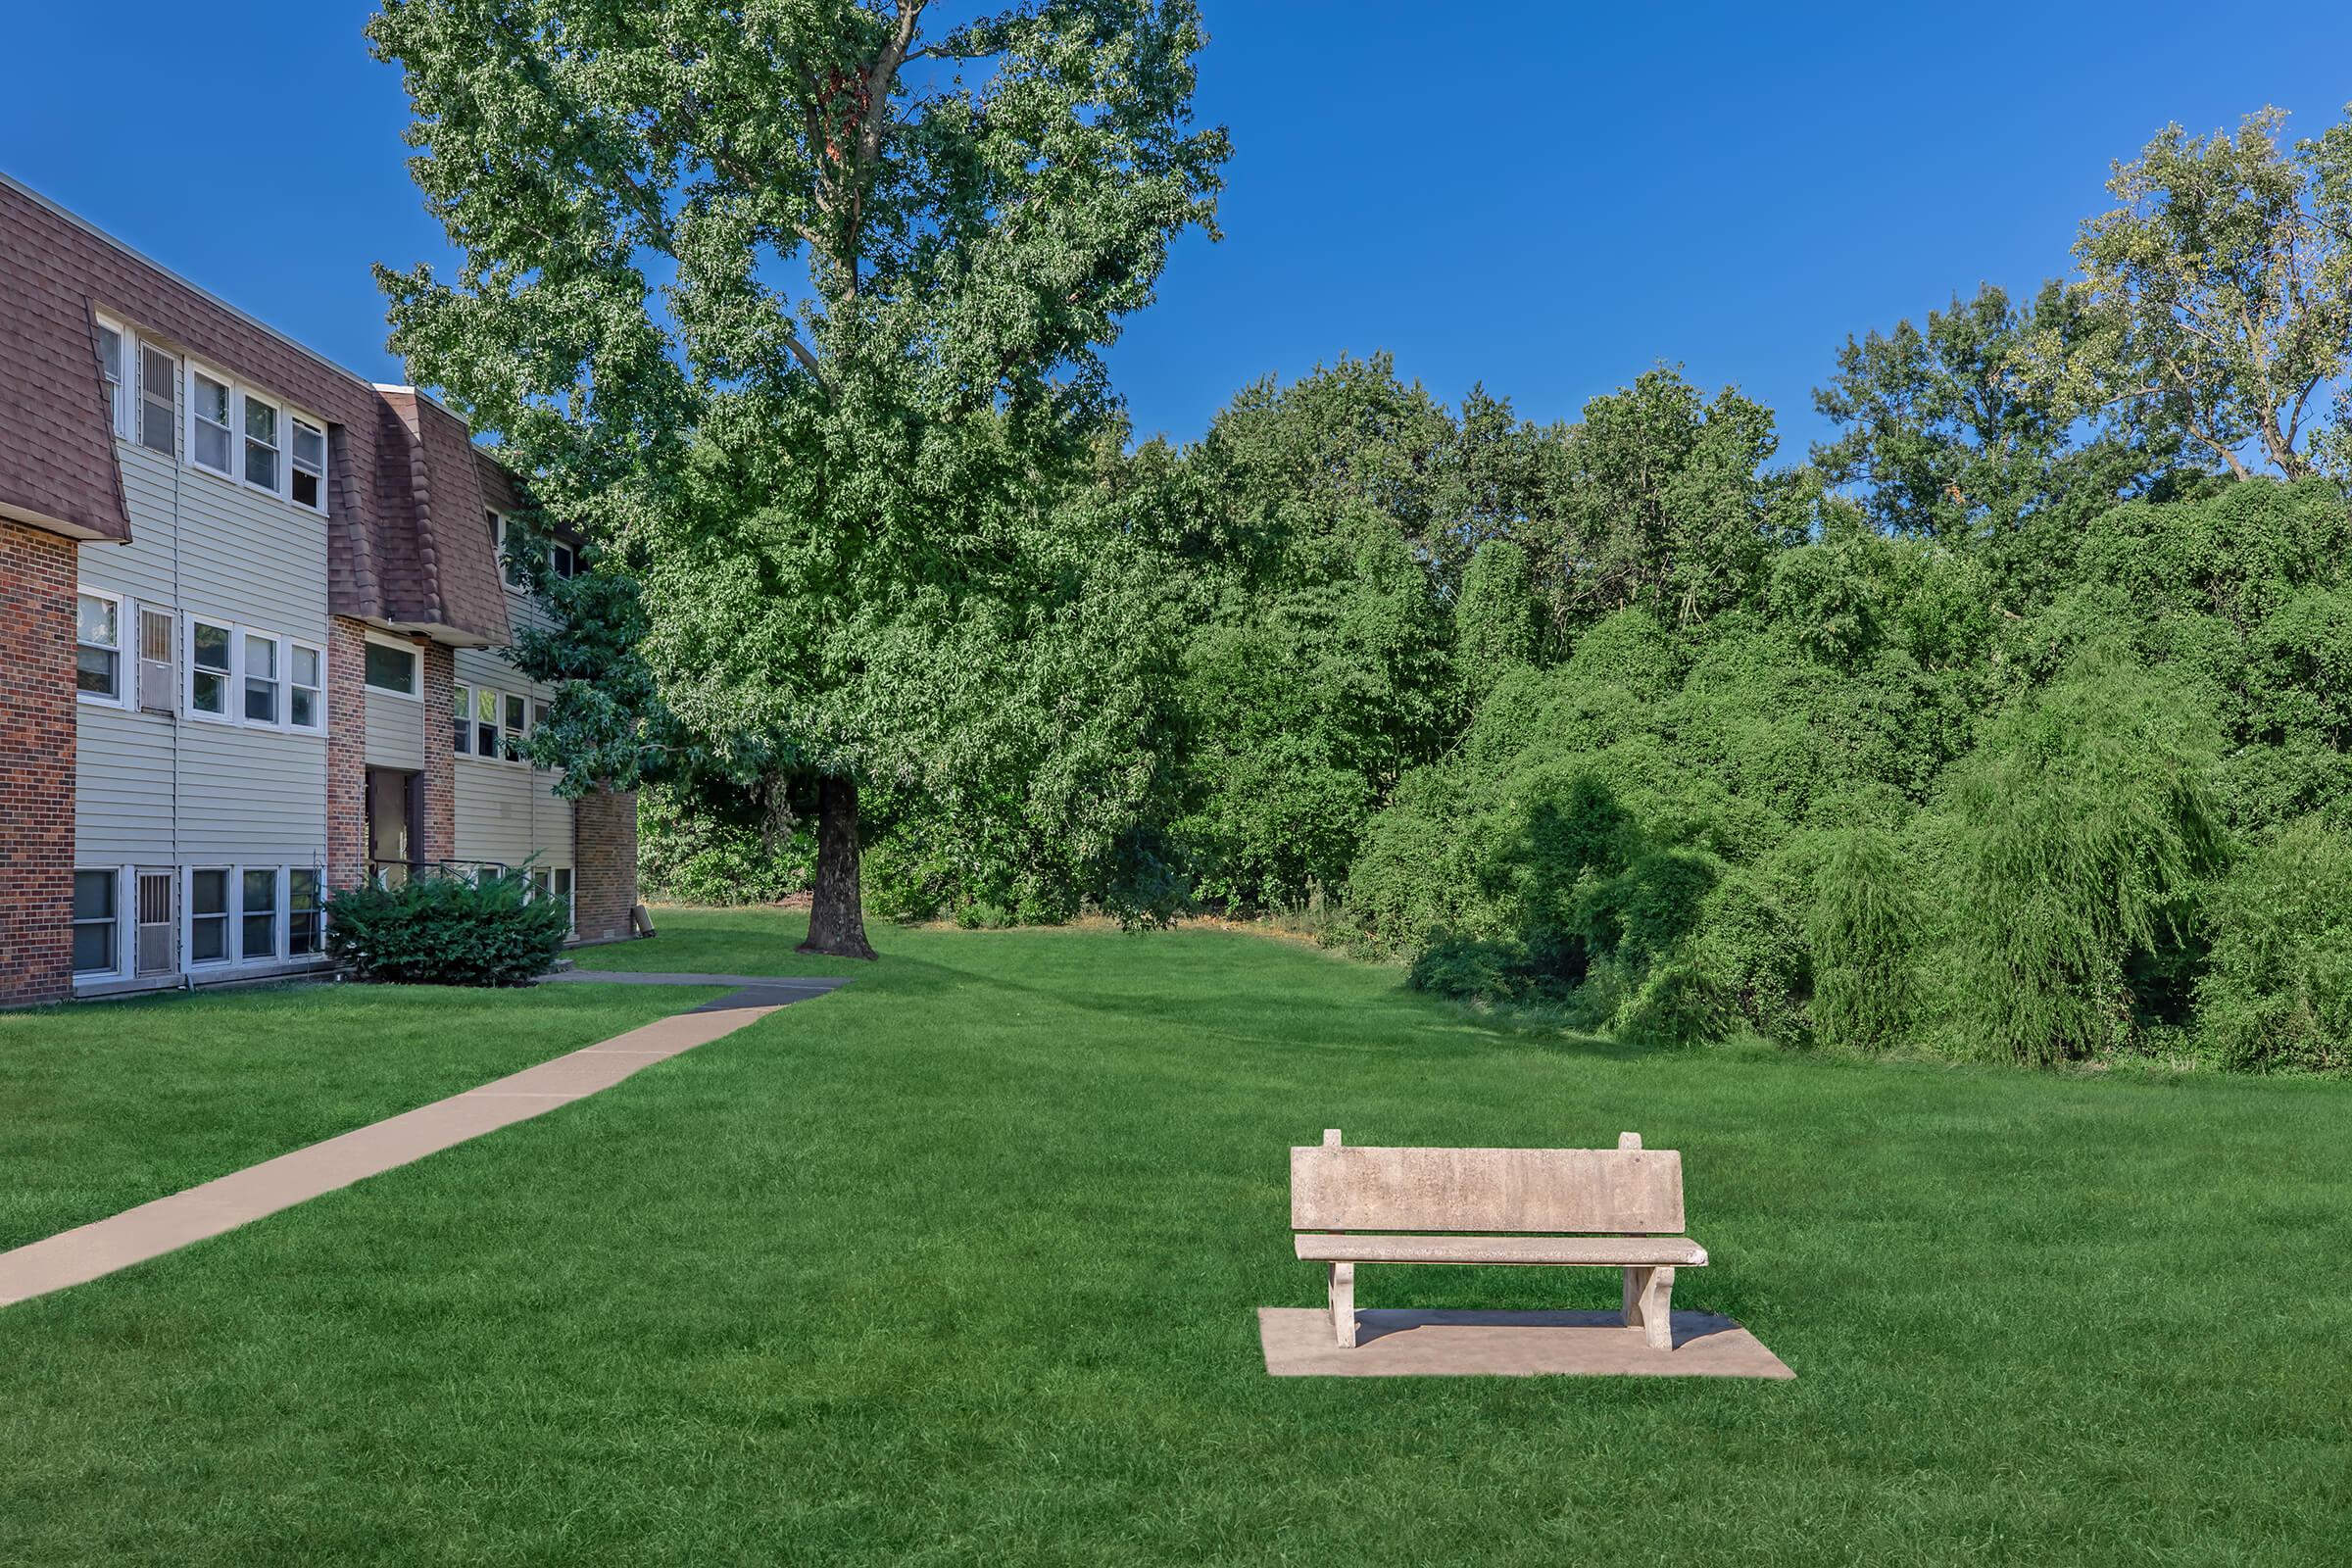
pixel 836 906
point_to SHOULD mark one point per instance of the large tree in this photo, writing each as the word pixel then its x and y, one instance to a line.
pixel 2218 296
pixel 1946 432
pixel 798 306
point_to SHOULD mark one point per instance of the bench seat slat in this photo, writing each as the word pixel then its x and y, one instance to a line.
pixel 1613 1252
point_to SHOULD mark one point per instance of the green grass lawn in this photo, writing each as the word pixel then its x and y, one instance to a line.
pixel 104 1105
pixel 959 1265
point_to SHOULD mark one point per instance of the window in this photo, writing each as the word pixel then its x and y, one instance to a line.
pixel 555 884
pixel 257 929
pixel 115 367
pixel 485 723
pixel 261 680
pixel 308 480
pixel 159 406
pixel 158 631
pixel 209 655
pixel 98 646
pixel 391 669
pixel 94 922
pixel 260 444
pixel 306 694
pixel 306 922
pixel 207 916
pixel 461 712
pixel 501 530
pixel 208 422
pixel 560 561
pixel 518 724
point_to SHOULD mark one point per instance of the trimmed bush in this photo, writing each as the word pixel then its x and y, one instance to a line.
pixel 447 931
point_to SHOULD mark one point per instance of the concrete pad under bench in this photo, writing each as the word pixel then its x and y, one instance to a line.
pixel 1401 1342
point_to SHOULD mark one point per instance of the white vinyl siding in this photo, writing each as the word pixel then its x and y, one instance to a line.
pixel 396 731
pixel 156 789
pixel 507 811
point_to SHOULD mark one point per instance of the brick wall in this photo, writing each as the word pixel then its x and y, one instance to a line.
pixel 440 762
pixel 604 857
pixel 346 753
pixel 36 765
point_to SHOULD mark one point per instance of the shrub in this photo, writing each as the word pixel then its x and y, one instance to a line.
pixel 1468 969
pixel 2278 992
pixel 447 930
pixel 1865 924
pixel 2081 830
pixel 1677 1005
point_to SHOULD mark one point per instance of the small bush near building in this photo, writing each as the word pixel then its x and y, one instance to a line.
pixel 448 931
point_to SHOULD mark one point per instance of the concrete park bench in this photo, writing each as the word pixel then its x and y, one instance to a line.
pixel 1527 1195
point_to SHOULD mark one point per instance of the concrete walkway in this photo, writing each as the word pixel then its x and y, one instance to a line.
pixel 87 1252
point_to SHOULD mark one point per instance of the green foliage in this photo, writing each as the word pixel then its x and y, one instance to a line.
pixel 1864 931
pixel 2277 996
pixel 448 931
pixel 807 333
pixel 2219 295
pixel 1496 626
pixel 2081 831
pixel 709 842
pixel 1933 744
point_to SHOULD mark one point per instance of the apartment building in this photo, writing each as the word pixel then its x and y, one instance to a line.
pixel 251 609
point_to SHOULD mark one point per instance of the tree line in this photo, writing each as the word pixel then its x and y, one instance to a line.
pixel 2013 721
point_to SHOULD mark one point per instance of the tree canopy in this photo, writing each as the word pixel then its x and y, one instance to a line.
pixel 797 306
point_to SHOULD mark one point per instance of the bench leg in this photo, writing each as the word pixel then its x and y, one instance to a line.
pixel 1657 1308
pixel 1635 1279
pixel 1343 1304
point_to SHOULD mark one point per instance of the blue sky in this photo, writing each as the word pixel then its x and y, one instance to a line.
pixel 1551 199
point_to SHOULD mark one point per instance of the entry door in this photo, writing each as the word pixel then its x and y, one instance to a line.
pixel 158 935
pixel 391 824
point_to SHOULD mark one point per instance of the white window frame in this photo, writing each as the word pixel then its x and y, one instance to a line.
pixel 234 717
pixel 244 400
pixel 563 561
pixel 126 613
pixel 499 525
pixel 289 648
pixel 134 698
pixel 232 692
pixel 173 391
pixel 460 720
pixel 113 970
pixel 507 734
pixel 497 723
pixel 122 394
pixel 236 445
pixel 295 425
pixel 278 913
pixel 317 908
pixel 288 415
pixel 415 666
pixel 276 678
pixel 233 894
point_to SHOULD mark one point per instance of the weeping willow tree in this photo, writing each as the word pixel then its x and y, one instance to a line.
pixel 2080 829
pixel 1863 929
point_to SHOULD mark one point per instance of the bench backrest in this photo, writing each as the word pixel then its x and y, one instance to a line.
pixel 1629 1191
